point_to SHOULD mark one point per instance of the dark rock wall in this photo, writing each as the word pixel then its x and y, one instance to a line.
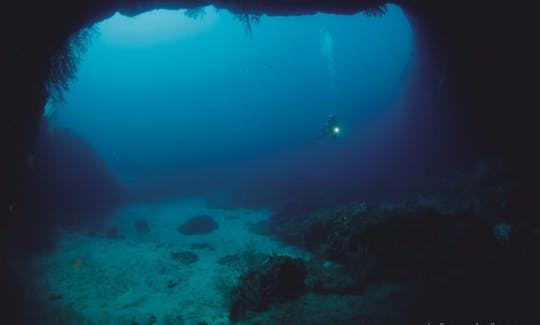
pixel 487 53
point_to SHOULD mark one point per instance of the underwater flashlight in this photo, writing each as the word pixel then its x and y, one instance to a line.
pixel 336 130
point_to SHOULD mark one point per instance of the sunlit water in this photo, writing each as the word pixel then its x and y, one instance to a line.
pixel 164 98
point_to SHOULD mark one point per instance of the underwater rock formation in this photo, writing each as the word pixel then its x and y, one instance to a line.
pixel 324 277
pixel 440 261
pixel 205 246
pixel 279 279
pixel 185 257
pixel 148 319
pixel 141 225
pixel 113 233
pixel 75 188
pixel 198 225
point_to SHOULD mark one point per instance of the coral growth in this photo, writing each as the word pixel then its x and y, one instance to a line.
pixel 248 20
pixel 195 13
pixel 65 62
pixel 375 11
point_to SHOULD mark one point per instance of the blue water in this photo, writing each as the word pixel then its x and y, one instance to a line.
pixel 173 104
pixel 171 118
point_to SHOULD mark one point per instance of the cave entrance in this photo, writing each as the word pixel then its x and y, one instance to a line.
pixel 193 100
pixel 171 104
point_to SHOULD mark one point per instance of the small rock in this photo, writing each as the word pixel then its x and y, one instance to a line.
pixel 142 225
pixel 173 320
pixel 147 319
pixel 171 284
pixel 279 279
pixel 113 233
pixel 185 257
pixel 202 246
pixel 198 225
pixel 229 260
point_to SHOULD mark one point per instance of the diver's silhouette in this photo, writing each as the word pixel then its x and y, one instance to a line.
pixel 331 128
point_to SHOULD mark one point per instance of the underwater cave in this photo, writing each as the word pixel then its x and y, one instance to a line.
pixel 314 162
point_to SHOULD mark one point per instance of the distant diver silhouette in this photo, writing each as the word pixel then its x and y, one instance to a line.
pixel 331 128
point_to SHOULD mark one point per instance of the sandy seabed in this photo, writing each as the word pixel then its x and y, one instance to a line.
pixel 94 279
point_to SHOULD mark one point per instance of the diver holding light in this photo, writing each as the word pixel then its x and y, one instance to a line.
pixel 331 129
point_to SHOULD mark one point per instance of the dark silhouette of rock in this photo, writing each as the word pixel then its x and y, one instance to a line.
pixel 280 279
pixel 229 260
pixel 331 278
pixel 113 233
pixel 147 319
pixel 202 246
pixel 171 284
pixel 198 225
pixel 74 187
pixel 142 225
pixel 439 260
pixel 185 257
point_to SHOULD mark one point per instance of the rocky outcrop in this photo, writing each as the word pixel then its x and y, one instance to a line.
pixel 198 225
pixel 279 279
pixel 441 262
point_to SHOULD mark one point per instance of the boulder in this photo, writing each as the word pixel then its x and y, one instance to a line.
pixel 198 225
pixel 279 279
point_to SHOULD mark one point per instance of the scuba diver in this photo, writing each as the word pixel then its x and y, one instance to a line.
pixel 331 128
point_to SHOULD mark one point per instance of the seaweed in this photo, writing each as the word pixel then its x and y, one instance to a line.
pixel 248 20
pixel 65 63
pixel 375 11
pixel 195 13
